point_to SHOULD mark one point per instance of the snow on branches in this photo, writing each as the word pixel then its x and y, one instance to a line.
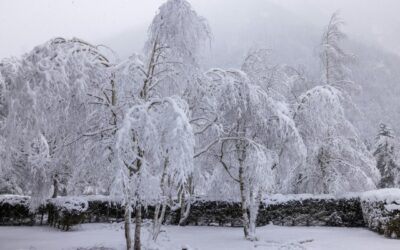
pixel 46 104
pixel 337 159
pixel 251 125
pixel 335 61
pixel 158 134
pixel 384 152
pixel 177 35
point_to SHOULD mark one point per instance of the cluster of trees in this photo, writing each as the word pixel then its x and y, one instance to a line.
pixel 155 129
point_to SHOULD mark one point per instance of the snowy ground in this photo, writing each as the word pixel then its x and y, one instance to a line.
pixel 201 238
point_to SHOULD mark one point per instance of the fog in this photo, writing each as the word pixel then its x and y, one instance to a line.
pixel 291 29
pixel 122 24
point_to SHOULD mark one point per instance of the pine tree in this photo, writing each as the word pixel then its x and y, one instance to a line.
pixel 385 156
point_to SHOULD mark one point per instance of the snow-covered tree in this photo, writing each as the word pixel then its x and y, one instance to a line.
pixel 334 59
pixel 3 107
pixel 46 108
pixel 385 155
pixel 281 81
pixel 337 159
pixel 154 147
pixel 7 179
pixel 177 36
pixel 170 68
pixel 284 84
pixel 250 123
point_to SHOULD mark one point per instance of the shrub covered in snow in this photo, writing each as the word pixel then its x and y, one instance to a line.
pixel 64 212
pixel 381 209
pixel 12 200
pixel 103 209
pixel 14 210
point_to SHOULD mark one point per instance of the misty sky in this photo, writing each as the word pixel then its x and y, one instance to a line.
pixel 26 23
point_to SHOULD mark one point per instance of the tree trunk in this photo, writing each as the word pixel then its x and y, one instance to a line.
pixel 182 213
pixel 254 204
pixel 185 210
pixel 138 226
pixel 159 212
pixel 155 221
pixel 158 219
pixel 55 185
pixel 127 217
pixel 186 203
pixel 245 217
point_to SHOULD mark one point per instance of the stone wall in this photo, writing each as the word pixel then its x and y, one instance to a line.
pixel 379 210
pixel 210 213
pixel 330 212
pixel 291 210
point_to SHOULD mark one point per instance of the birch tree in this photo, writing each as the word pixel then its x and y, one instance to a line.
pixel 154 150
pixel 249 119
pixel 46 105
pixel 337 159
pixel 284 84
pixel 177 36
pixel 154 158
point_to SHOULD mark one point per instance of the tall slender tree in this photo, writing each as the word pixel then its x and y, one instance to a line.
pixel 385 155
pixel 334 59
pixel 283 84
pixel 177 36
pixel 249 121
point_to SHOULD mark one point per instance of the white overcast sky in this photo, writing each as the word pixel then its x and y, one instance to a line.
pixel 26 23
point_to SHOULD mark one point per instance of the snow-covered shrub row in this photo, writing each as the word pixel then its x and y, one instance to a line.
pixel 103 209
pixel 381 209
pixel 67 204
pixel 64 212
pixel 14 210
pixel 13 200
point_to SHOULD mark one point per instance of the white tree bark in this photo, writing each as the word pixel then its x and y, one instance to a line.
pixel 127 217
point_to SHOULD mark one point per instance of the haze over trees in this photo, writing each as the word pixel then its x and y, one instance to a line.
pixel 158 128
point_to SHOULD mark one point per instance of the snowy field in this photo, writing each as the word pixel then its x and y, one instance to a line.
pixel 202 238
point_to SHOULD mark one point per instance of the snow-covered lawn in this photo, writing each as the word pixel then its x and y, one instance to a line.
pixel 202 238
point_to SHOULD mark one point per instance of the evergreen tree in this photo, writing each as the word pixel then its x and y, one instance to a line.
pixel 384 153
